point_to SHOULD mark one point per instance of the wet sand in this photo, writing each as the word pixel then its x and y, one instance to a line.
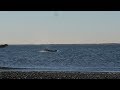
pixel 58 75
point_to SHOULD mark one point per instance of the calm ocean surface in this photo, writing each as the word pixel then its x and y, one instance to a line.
pixel 94 57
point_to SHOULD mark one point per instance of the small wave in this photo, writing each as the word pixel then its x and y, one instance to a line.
pixel 2 67
pixel 8 68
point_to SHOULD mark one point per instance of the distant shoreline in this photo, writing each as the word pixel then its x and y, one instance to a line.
pixel 73 44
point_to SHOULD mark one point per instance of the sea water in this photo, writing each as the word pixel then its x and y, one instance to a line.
pixel 69 57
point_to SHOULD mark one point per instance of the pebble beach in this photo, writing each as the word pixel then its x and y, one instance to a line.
pixel 58 75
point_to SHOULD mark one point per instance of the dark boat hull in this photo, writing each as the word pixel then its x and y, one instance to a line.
pixel 48 50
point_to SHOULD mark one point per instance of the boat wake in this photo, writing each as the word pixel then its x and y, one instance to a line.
pixel 48 51
pixel 42 51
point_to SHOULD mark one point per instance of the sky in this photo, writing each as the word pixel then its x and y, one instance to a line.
pixel 60 27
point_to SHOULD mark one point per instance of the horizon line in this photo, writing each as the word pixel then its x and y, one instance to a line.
pixel 62 43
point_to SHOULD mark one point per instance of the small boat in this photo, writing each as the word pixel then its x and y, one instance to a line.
pixel 50 50
pixel 4 45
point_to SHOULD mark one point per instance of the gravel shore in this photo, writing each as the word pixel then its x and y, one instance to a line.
pixel 58 75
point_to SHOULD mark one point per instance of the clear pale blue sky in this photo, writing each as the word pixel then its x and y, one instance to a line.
pixel 39 27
